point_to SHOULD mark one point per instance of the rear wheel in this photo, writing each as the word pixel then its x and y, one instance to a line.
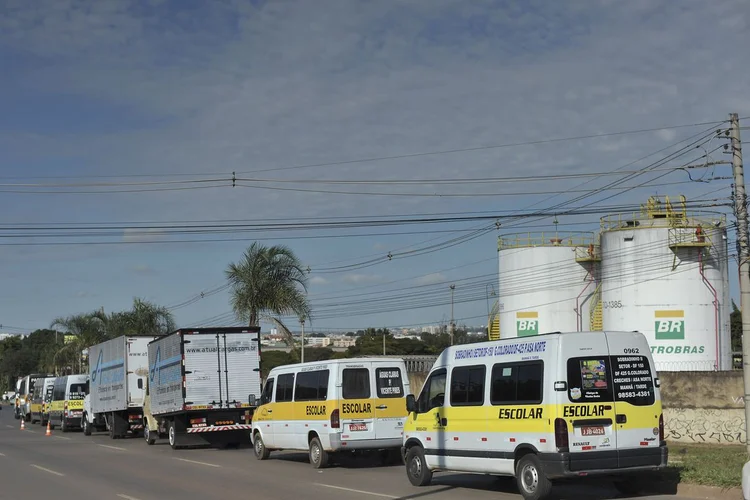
pixel 318 456
pixel 532 483
pixel 416 467
pixel 86 426
pixel 172 434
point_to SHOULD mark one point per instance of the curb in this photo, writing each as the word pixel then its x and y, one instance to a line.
pixel 697 491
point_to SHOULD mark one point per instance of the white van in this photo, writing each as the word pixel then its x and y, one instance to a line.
pixel 66 406
pixel 540 408
pixel 331 406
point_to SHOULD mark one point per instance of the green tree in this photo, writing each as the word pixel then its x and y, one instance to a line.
pixel 735 321
pixel 266 283
pixel 87 329
pixel 144 318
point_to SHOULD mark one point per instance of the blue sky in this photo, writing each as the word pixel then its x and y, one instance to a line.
pixel 160 91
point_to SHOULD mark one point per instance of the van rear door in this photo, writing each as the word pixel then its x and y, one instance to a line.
pixel 390 399
pixel 638 410
pixel 588 404
pixel 357 402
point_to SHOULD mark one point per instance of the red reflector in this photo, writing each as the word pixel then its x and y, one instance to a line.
pixel 455 438
pixel 542 440
pixel 484 439
pixel 587 448
pixel 512 440
pixel 644 443
pixel 429 438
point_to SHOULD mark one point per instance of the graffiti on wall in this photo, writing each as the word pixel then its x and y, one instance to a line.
pixel 705 426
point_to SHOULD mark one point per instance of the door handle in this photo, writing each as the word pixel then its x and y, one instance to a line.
pixel 621 419
pixel 381 407
pixel 270 411
pixel 443 421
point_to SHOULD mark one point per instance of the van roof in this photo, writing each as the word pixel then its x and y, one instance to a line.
pixel 361 359
pixel 571 335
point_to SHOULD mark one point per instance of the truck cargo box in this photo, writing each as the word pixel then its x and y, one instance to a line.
pixel 204 369
pixel 116 365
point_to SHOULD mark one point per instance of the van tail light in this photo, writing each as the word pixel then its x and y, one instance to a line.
pixel 661 427
pixel 65 408
pixel 335 422
pixel 561 433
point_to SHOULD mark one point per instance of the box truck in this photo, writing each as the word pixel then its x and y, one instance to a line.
pixel 202 386
pixel 115 400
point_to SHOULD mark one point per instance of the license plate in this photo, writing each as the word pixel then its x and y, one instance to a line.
pixel 592 431
pixel 357 427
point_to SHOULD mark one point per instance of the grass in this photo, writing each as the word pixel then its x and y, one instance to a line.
pixel 706 464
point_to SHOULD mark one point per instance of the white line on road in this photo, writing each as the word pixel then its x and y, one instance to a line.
pixel 126 497
pixel 113 447
pixel 47 470
pixel 2 454
pixel 196 462
pixel 62 437
pixel 9 426
pixel 355 491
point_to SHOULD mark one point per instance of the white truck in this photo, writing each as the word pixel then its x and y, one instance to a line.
pixel 115 400
pixel 202 386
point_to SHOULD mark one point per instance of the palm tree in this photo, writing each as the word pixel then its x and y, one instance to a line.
pixel 145 318
pixel 268 281
pixel 87 328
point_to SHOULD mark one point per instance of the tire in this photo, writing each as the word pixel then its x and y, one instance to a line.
pixel 86 426
pixel 63 426
pixel 318 456
pixel 261 452
pixel 530 478
pixel 416 467
pixel 150 438
pixel 172 435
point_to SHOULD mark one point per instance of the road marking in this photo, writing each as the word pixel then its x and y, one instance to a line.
pixel 9 426
pixel 113 447
pixel 61 437
pixel 47 470
pixel 355 491
pixel 2 454
pixel 196 462
pixel 127 497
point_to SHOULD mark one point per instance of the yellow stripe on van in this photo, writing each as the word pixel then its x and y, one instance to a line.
pixel 75 404
pixel 321 410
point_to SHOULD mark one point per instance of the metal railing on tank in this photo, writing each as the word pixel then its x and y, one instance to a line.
pixel 658 213
pixel 547 239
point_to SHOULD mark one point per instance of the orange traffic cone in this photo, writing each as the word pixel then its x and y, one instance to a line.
pixel 49 430
pixel 23 425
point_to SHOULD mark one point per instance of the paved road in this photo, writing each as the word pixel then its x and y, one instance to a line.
pixel 72 466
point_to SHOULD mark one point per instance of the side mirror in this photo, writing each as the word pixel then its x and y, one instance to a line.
pixel 252 400
pixel 140 383
pixel 411 403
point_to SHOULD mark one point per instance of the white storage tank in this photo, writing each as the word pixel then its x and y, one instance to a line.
pixel 547 283
pixel 664 272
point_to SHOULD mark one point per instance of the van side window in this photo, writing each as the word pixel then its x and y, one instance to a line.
pixel 267 392
pixel 311 386
pixel 77 392
pixel 517 383
pixel 467 385
pixel 433 392
pixel 390 384
pixel 355 383
pixel 589 379
pixel 58 394
pixel 284 387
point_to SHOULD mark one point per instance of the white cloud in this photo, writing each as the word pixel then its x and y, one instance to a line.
pixel 431 279
pixel 318 280
pixel 361 279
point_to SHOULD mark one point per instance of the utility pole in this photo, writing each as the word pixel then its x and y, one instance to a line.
pixel 302 348
pixel 740 208
pixel 453 324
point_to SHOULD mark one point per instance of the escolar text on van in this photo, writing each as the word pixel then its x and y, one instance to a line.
pixel 551 406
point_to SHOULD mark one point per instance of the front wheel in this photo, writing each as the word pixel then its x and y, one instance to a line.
pixel 416 467
pixel 150 439
pixel 261 452
pixel 532 483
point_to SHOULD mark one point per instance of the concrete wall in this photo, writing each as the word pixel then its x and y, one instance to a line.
pixel 699 407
